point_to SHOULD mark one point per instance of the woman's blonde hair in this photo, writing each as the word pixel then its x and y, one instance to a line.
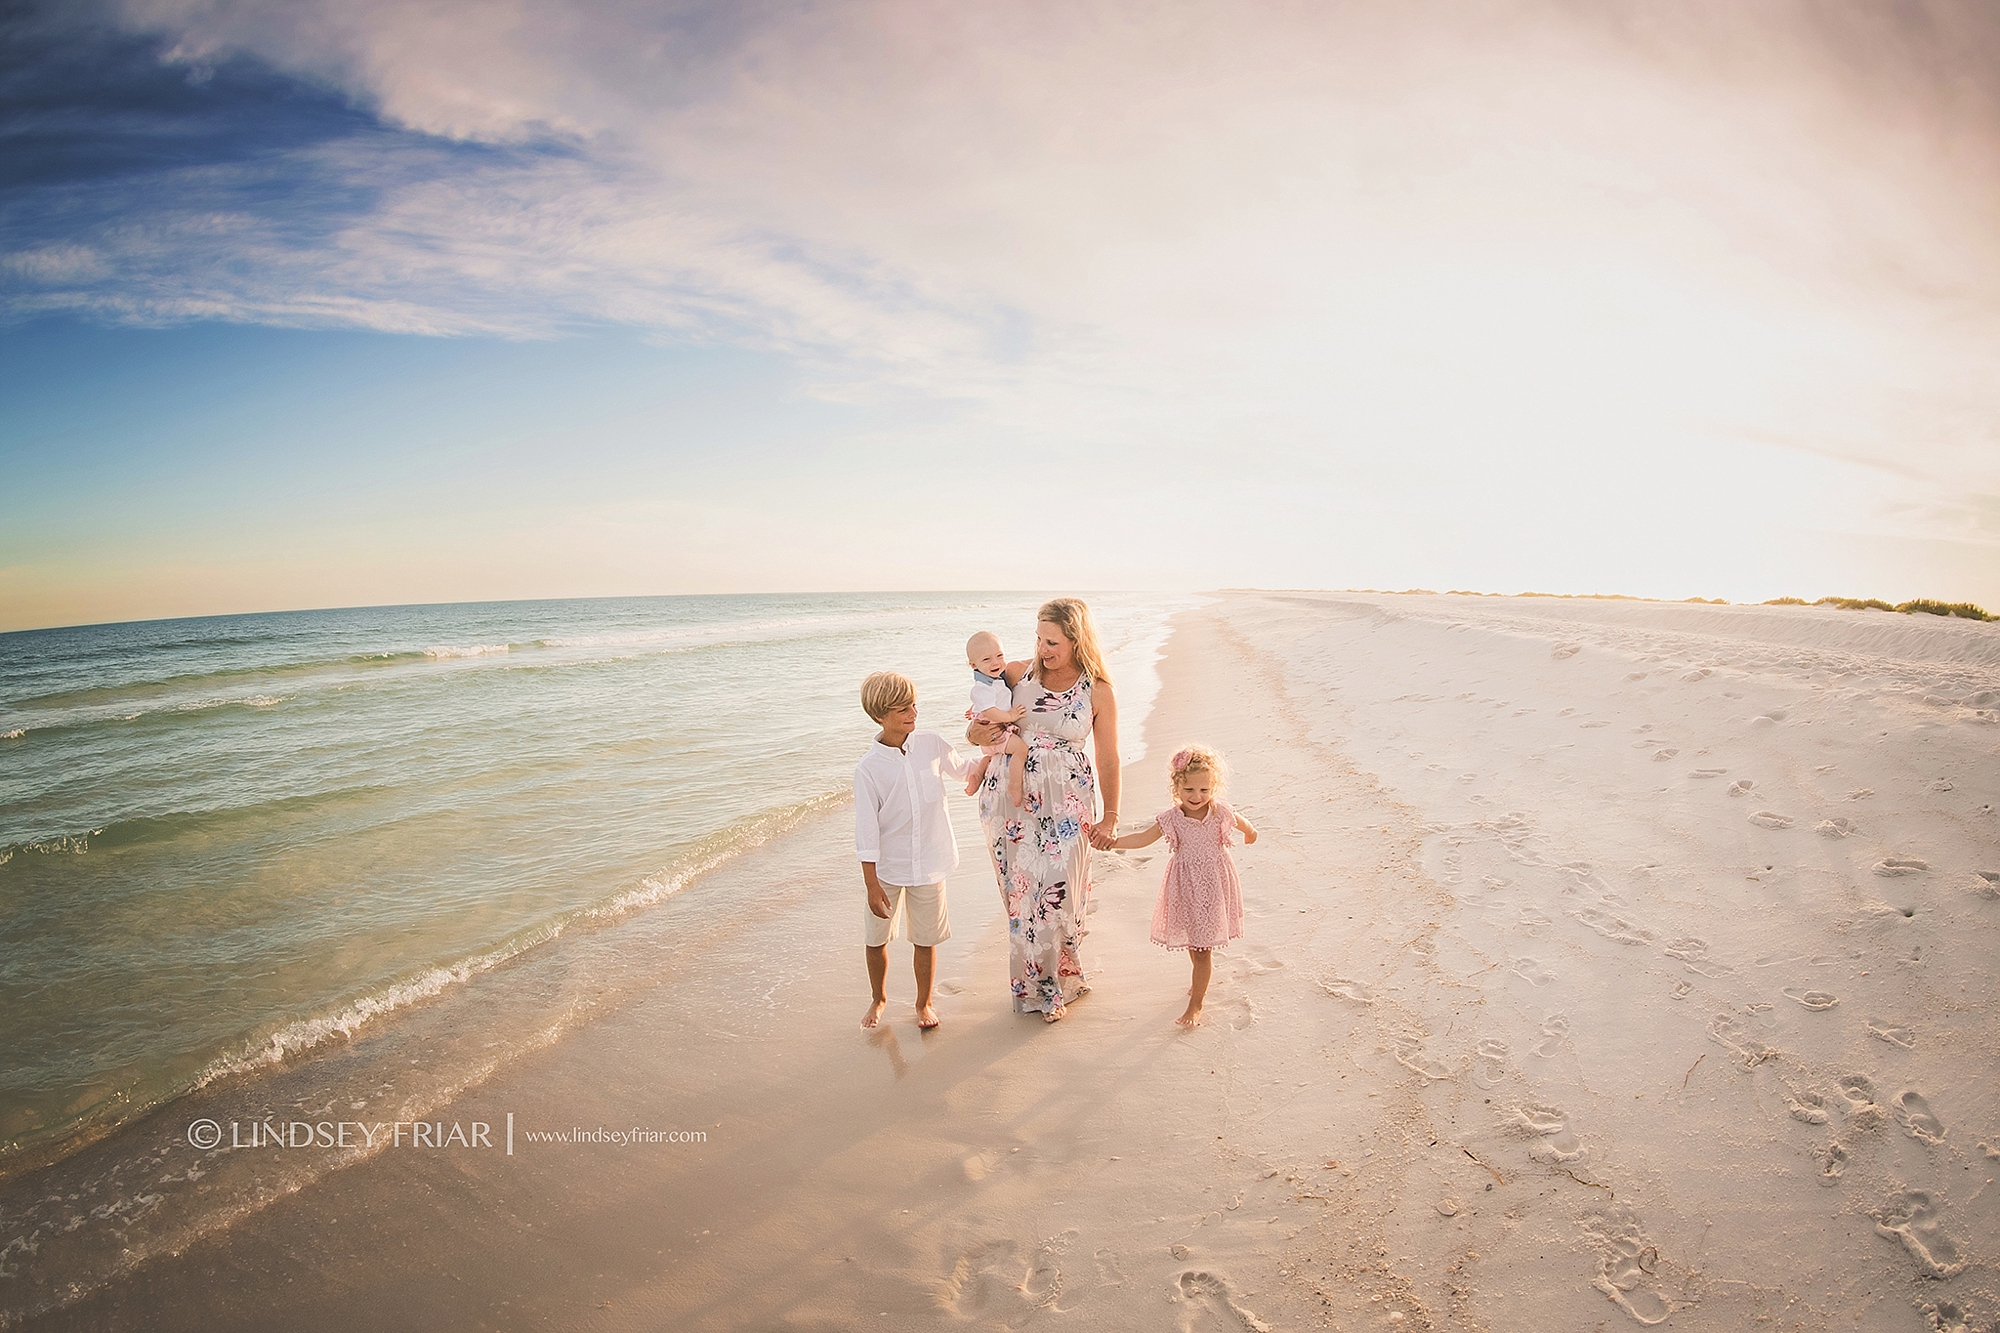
pixel 1195 759
pixel 1072 616
pixel 886 691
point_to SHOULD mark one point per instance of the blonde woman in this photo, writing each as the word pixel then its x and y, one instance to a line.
pixel 1041 847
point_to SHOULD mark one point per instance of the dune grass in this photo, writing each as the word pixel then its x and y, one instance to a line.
pixel 1921 605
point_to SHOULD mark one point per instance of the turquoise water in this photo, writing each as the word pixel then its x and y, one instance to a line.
pixel 226 842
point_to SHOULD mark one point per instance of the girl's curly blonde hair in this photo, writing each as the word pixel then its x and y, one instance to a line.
pixel 1195 759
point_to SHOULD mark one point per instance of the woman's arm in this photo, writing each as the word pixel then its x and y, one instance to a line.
pixel 981 733
pixel 1104 731
pixel 1244 827
pixel 1143 838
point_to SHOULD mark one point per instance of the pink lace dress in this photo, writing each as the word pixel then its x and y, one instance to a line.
pixel 1201 902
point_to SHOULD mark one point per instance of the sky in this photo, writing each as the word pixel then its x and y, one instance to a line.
pixel 310 303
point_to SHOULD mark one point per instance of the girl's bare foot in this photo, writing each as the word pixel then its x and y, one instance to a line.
pixel 1056 1014
pixel 874 1014
pixel 1190 1019
pixel 927 1018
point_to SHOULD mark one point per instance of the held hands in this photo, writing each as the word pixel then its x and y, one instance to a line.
pixel 1104 832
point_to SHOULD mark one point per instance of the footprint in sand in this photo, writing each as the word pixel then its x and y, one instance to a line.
pixel 1698 673
pixel 1917 1119
pixel 1635 675
pixel 1771 819
pixel 1612 927
pixel 1410 1054
pixel 1532 972
pixel 1588 725
pixel 1628 1264
pixel 1732 1032
pixel 1834 828
pixel 1808 1107
pixel 1862 1110
pixel 1566 650
pixel 1708 772
pixel 1811 999
pixel 1832 1164
pixel 1910 1217
pixel 1741 787
pixel 1211 1301
pixel 1692 952
pixel 997 1274
pixel 1681 990
pixel 1489 1062
pixel 1985 883
pixel 1555 1034
pixel 1893 867
pixel 1534 922
pixel 1894 1033
pixel 1668 753
pixel 1551 1125
pixel 1109 1274
pixel 1347 990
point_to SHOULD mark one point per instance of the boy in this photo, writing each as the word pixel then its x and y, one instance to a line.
pixel 993 701
pixel 903 837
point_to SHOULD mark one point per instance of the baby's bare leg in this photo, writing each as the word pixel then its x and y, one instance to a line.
pixel 1017 768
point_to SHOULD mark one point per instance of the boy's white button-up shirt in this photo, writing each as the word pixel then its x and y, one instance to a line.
pixel 900 822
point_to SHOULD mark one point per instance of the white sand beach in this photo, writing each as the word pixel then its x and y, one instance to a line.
pixel 1606 962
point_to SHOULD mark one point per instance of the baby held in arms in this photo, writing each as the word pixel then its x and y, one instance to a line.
pixel 993 701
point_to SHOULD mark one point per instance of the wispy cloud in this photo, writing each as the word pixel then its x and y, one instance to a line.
pixel 1507 242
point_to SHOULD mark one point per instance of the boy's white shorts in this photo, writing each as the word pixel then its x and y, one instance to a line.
pixel 923 905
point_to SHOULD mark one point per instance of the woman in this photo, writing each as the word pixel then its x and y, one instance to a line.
pixel 1041 849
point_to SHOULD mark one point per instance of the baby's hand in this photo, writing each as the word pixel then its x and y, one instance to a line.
pixel 1015 714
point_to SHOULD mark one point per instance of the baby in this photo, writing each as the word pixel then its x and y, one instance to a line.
pixel 992 701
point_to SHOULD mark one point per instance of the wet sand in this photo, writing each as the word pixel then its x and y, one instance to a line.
pixel 1535 1025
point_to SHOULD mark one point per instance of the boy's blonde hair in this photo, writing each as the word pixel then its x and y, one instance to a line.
pixel 1072 616
pixel 1196 759
pixel 886 691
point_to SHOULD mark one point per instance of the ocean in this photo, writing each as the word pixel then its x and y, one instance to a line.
pixel 229 845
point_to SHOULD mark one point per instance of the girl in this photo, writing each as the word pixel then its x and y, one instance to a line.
pixel 1201 904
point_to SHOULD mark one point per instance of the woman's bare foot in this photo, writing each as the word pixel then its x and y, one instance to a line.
pixel 1190 1019
pixel 1056 1014
pixel 874 1014
pixel 927 1018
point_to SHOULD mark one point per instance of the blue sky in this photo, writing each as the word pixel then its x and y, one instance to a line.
pixel 314 304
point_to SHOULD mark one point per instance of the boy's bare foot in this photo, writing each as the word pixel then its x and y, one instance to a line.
pixel 927 1018
pixel 874 1014
pixel 1056 1014
pixel 1190 1019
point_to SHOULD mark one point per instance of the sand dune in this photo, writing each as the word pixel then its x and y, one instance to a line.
pixel 1605 963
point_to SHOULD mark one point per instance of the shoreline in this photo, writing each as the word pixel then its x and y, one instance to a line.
pixel 1520 1007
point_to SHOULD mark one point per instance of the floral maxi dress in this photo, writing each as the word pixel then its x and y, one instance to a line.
pixel 1040 852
